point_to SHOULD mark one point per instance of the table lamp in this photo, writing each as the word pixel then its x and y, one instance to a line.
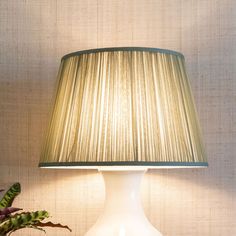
pixel 123 111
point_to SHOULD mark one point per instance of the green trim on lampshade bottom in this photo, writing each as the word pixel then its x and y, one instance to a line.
pixel 124 163
pixel 122 49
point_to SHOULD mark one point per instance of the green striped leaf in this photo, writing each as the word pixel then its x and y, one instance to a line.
pixel 22 220
pixel 10 195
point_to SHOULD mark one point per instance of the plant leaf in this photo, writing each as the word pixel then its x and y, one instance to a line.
pixel 6 211
pixel 50 224
pixel 2 217
pixel 10 195
pixel 28 226
pixel 21 220
pixel 9 210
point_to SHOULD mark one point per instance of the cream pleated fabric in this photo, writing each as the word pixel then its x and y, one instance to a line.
pixel 125 107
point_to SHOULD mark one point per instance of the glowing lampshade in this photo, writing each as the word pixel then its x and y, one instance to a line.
pixel 123 107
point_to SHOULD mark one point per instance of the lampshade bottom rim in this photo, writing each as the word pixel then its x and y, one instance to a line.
pixel 122 165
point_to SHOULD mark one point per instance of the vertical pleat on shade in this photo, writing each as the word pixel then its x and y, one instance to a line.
pixel 123 106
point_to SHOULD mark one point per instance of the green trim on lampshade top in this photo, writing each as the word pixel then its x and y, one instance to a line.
pixel 137 49
pixel 127 106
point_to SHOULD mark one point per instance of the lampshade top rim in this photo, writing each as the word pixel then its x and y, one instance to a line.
pixel 124 163
pixel 116 49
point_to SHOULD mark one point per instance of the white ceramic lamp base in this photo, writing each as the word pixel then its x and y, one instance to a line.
pixel 123 213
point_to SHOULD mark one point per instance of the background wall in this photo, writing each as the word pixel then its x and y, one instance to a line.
pixel 34 35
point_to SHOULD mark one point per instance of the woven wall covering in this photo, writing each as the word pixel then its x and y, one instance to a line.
pixel 34 35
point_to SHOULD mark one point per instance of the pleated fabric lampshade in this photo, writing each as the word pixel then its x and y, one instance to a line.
pixel 123 107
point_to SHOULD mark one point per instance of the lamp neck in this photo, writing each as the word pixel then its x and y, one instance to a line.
pixel 123 214
pixel 122 190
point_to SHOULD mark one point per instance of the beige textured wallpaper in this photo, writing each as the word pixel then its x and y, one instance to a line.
pixel 34 35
